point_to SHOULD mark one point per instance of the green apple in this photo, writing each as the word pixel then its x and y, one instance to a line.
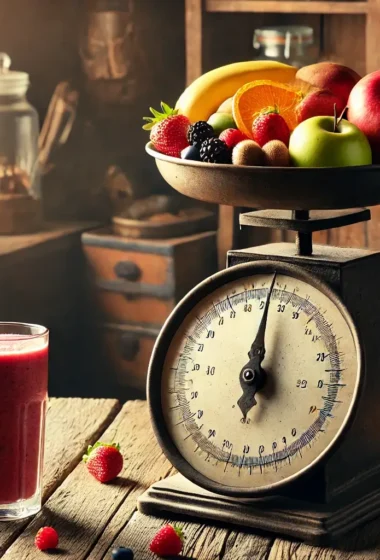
pixel 221 121
pixel 314 143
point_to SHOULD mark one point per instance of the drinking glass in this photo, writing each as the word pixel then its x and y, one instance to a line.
pixel 23 397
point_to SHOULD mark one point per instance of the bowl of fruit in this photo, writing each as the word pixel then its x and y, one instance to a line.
pixel 265 135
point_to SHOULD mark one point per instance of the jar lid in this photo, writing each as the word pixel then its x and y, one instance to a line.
pixel 283 34
pixel 11 82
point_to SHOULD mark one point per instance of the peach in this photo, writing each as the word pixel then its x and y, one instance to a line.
pixel 337 79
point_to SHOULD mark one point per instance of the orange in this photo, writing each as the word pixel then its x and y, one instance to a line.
pixel 262 96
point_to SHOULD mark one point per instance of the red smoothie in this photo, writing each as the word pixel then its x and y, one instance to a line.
pixel 23 394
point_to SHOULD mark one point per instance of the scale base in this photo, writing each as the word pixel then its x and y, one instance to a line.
pixel 313 523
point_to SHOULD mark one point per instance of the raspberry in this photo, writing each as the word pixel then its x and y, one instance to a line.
pixel 232 137
pixel 46 538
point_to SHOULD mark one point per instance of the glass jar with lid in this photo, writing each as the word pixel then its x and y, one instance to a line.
pixel 20 207
pixel 19 129
pixel 291 44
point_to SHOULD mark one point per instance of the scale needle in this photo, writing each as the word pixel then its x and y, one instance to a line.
pixel 252 376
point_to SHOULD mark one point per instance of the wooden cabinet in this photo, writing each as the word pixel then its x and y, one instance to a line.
pixel 347 30
pixel 135 283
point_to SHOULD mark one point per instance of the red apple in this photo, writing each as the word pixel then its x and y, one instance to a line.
pixel 337 79
pixel 364 110
pixel 318 103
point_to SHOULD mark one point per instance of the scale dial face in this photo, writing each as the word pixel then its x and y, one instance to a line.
pixel 310 374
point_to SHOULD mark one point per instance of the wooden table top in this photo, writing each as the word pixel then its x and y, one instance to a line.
pixel 92 518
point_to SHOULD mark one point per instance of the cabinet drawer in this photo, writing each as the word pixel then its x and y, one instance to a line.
pixel 128 349
pixel 140 281
pixel 131 287
pixel 129 266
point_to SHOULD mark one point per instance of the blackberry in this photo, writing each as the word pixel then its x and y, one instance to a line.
pixel 199 132
pixel 214 150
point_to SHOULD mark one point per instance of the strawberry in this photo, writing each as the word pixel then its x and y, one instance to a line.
pixel 104 460
pixel 232 137
pixel 46 538
pixel 168 130
pixel 168 541
pixel 270 126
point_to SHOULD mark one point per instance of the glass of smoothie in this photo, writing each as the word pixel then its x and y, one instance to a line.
pixel 23 398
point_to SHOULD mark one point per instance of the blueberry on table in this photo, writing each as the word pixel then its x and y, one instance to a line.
pixel 121 553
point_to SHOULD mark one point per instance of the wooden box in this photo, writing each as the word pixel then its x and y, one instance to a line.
pixel 19 214
pixel 135 283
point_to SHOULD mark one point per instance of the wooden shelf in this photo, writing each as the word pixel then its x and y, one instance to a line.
pixel 287 6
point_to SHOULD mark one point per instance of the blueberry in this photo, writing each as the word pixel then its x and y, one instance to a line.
pixel 121 553
pixel 191 153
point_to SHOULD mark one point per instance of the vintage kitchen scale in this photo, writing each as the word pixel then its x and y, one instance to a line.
pixel 264 384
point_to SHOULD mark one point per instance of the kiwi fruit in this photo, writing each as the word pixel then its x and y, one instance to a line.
pixel 248 152
pixel 276 154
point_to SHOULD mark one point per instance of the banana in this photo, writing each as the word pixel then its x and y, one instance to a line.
pixel 205 95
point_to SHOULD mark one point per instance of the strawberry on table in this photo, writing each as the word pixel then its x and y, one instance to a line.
pixel 270 125
pixel 168 130
pixel 168 541
pixel 104 461
pixel 46 538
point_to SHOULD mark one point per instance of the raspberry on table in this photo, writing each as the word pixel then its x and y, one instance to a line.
pixel 46 538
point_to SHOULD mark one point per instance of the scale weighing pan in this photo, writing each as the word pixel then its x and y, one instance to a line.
pixel 286 188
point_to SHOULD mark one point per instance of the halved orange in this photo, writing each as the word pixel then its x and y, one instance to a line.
pixel 262 96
